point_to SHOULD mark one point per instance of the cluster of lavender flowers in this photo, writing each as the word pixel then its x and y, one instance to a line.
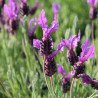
pixel 77 62
pixel 13 11
pixel 46 50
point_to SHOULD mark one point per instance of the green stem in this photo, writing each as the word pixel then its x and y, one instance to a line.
pixel 71 88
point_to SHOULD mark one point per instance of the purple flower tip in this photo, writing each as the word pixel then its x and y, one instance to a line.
pixel 31 29
pixel 11 9
pixel 36 43
pixel 61 70
pixel 42 21
pixel 92 2
pixel 71 43
pixel 86 79
pixel 24 1
pixel 56 7
pixel 87 51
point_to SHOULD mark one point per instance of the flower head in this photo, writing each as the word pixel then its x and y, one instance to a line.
pixel 30 28
pixel 11 9
pixel 87 51
pixel 70 44
pixel 56 7
pixel 42 21
pixel 92 2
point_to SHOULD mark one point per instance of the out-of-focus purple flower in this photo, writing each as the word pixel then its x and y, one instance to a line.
pixel 42 21
pixel 61 70
pixel 92 2
pixel 24 1
pixel 56 7
pixel 11 9
pixel 36 43
pixel 31 29
pixel 87 51
pixel 86 79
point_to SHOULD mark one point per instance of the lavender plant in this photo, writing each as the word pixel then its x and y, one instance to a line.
pixel 21 74
pixel 46 44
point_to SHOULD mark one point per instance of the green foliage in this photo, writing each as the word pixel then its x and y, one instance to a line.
pixel 21 66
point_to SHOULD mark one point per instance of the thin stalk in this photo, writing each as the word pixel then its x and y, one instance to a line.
pixel 71 88
pixel 93 31
pixel 53 88
pixel 64 95
pixel 92 95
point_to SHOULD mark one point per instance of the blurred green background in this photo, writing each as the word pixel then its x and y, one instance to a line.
pixel 20 66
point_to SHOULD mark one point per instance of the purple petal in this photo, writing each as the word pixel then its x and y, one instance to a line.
pixel 86 79
pixel 53 54
pixel 31 29
pixel 24 1
pixel 90 53
pixel 59 48
pixel 36 43
pixel 56 7
pixel 87 51
pixel 42 21
pixel 61 70
pixel 85 44
pixel 92 2
pixel 70 75
pixel 73 41
pixel 11 9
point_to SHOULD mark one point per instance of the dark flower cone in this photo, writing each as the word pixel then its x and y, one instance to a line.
pixel 65 85
pixel 50 67
pixel 93 13
pixel 79 69
pixel 46 46
pixel 72 57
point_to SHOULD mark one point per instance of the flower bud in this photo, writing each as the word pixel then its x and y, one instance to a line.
pixel 93 13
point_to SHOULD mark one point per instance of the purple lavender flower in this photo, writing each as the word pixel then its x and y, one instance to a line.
pixel 70 44
pixel 87 51
pixel 42 21
pixel 47 40
pixel 31 29
pixel 11 15
pixel 56 8
pixel 11 9
pixel 46 44
pixel 61 70
pixel 65 82
pixel 92 2
pixel 36 43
